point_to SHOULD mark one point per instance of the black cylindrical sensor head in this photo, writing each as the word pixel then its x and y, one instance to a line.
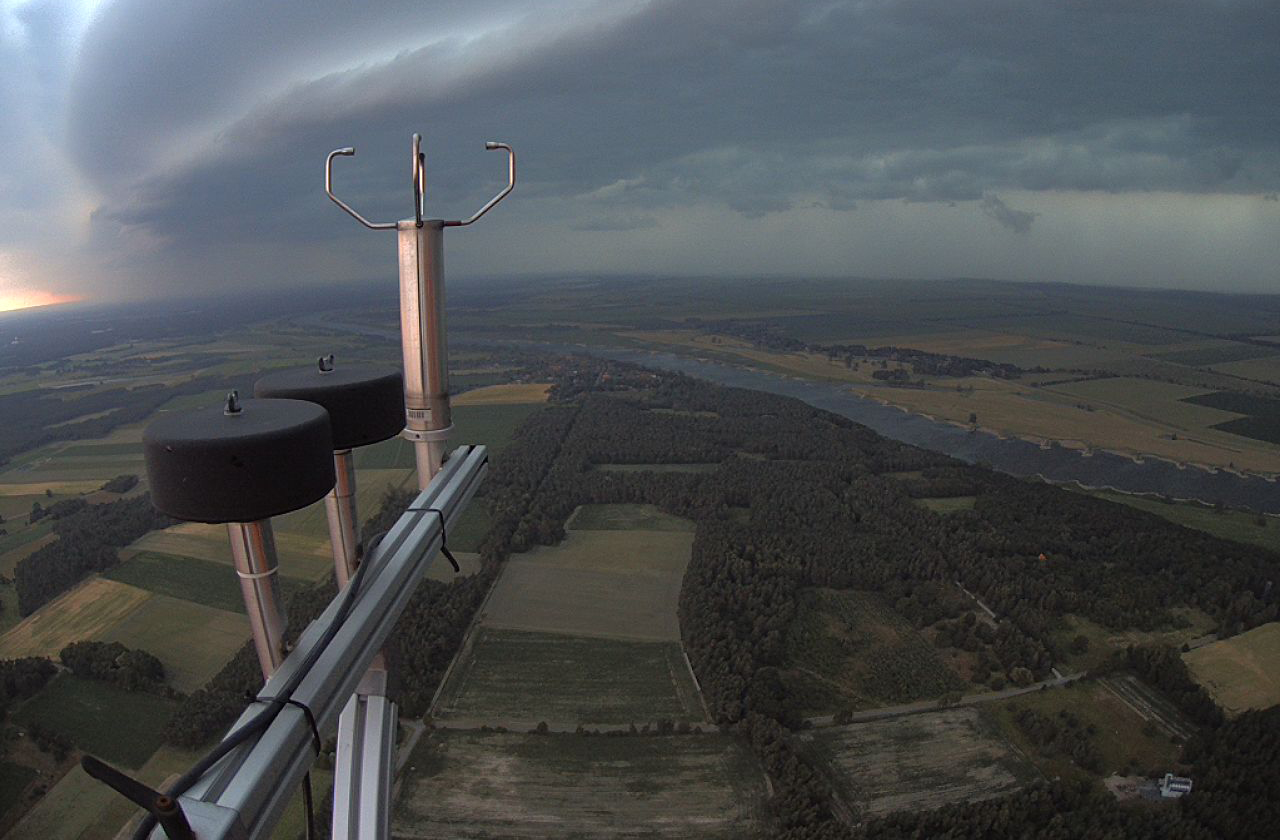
pixel 365 404
pixel 251 460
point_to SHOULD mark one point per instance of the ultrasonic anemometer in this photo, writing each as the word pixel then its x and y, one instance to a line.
pixel 422 333
pixel 246 461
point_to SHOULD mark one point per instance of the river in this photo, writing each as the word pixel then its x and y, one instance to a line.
pixel 1010 455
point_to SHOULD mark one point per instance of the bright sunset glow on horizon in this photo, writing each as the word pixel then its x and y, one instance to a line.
pixel 12 299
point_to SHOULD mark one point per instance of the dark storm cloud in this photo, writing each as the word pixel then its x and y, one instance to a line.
pixel 1018 221
pixel 205 122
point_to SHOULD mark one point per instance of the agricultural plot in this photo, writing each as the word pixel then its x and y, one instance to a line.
pixel 492 424
pixel 625 518
pixel 304 556
pixel 618 584
pixel 518 679
pixel 514 393
pixel 83 613
pixel 918 762
pixel 200 581
pixel 947 504
pixel 489 785
pixel 1242 672
pixel 191 640
pixel 115 725
pixel 851 650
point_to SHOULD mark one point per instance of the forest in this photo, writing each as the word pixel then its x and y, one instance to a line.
pixel 807 499
pixel 88 538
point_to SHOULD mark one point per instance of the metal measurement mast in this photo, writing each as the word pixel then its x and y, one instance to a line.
pixel 420 242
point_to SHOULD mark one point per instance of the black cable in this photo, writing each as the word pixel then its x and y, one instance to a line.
pixel 310 832
pixel 264 718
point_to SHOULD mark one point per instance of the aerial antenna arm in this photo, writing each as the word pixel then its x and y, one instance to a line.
pixel 511 184
pixel 348 151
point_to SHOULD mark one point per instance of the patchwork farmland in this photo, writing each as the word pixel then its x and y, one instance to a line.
pixel 582 633
pixel 489 785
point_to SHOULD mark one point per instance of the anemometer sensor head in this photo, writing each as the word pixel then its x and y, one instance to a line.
pixel 242 462
pixel 365 404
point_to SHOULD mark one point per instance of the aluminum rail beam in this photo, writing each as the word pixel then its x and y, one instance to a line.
pixel 244 795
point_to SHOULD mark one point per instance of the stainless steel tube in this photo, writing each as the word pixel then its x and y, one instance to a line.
pixel 344 524
pixel 428 419
pixel 253 550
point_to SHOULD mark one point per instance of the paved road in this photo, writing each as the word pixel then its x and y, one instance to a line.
pixel 922 706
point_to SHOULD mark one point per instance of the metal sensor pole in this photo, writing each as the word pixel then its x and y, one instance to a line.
pixel 253 549
pixel 422 328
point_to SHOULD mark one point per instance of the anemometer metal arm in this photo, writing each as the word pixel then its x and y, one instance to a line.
pixel 328 190
pixel 419 178
pixel 511 185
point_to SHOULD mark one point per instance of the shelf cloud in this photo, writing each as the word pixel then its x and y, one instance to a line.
pixel 177 144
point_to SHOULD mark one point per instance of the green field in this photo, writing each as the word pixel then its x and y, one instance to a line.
pixel 201 581
pixel 1235 525
pixel 616 584
pixel 625 518
pixel 492 785
pixel 490 424
pixel 115 725
pixel 851 650
pixel 947 504
pixel 517 679
pixel 193 641
pixel 1242 672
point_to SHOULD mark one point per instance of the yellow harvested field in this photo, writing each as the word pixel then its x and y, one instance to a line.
pixel 609 584
pixel 1015 409
pixel 516 392
pixel 83 613
pixel 1242 672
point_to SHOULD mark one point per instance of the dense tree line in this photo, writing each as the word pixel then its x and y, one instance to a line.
pixel 1162 667
pixel 134 670
pixel 58 510
pixel 120 484
pixel 28 420
pixel 87 542
pixel 22 678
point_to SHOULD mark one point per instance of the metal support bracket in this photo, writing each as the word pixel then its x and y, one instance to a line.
pixel 252 785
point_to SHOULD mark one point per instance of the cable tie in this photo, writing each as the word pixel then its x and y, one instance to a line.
pixel 444 536
pixel 289 701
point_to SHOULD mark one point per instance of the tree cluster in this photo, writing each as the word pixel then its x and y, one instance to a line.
pixel 87 542
pixel 133 670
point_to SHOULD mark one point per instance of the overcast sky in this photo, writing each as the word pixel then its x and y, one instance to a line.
pixel 156 147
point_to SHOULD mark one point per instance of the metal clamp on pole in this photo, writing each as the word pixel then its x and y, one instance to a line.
pixel 428 418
